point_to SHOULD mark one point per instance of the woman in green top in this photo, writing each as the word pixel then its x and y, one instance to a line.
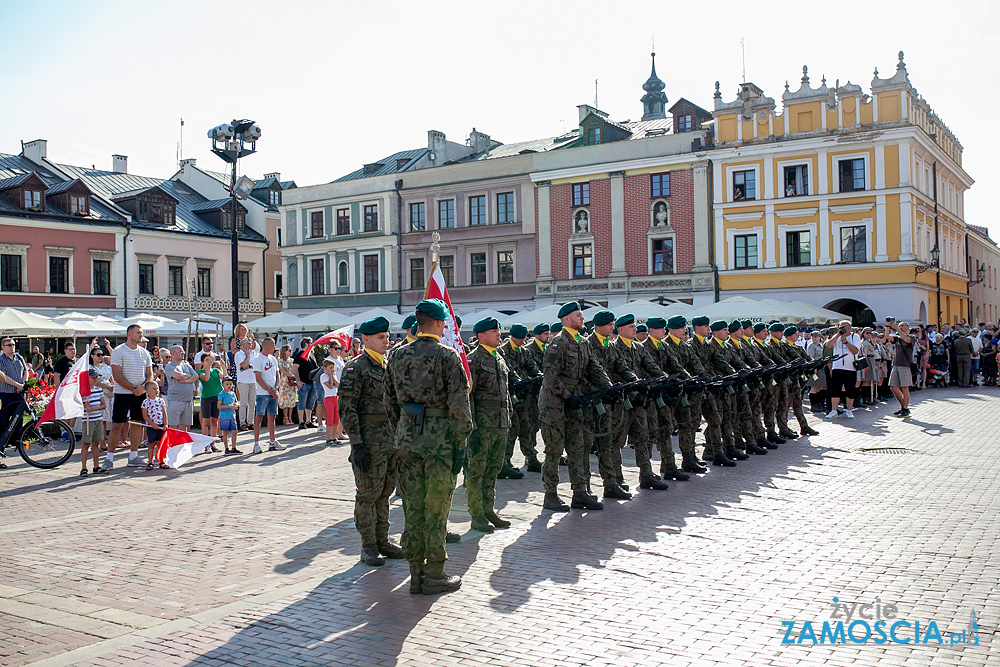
pixel 211 386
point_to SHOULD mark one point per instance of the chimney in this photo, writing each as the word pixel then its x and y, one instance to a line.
pixel 275 174
pixel 185 163
pixel 479 141
pixel 35 150
pixel 119 164
pixel 437 146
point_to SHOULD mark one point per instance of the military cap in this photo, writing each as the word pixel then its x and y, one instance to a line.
pixel 603 317
pixel 376 325
pixel 541 327
pixel 758 327
pixel 776 326
pixel 627 318
pixel 568 308
pixel 556 327
pixel 790 330
pixel 434 308
pixel 656 323
pixel 641 327
pixel 677 322
pixel 518 331
pixel 486 324
pixel 700 321
pixel 747 324
pixel 413 329
pixel 816 333
pixel 408 321
pixel 719 325
pixel 735 324
pixel 458 321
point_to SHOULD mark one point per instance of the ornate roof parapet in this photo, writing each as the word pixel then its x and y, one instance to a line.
pixel 750 100
pixel 897 80
pixel 806 91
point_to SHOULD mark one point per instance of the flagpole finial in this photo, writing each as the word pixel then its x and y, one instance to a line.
pixel 435 246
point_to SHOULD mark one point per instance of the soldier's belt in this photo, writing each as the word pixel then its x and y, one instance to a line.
pixel 437 412
pixel 486 403
pixel 373 418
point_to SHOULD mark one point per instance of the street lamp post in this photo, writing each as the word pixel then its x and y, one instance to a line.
pixel 231 141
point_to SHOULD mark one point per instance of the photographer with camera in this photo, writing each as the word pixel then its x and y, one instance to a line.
pixel 844 377
pixel 900 378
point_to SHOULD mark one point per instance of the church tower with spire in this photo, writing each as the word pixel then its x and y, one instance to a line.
pixel 654 102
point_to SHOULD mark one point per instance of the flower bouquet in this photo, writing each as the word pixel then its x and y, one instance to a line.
pixel 38 393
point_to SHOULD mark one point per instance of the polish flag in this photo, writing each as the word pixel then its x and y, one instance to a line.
pixel 178 447
pixel 343 336
pixel 67 402
pixel 438 289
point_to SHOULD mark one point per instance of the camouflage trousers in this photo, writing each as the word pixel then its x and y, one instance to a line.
pixel 688 419
pixel 712 410
pixel 609 455
pixel 566 435
pixel 741 417
pixel 637 434
pixel 427 485
pixel 661 430
pixel 756 408
pixel 485 448
pixel 795 399
pixel 782 400
pixel 523 429
pixel 371 498
pixel 768 404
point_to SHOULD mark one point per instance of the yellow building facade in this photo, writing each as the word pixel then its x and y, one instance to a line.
pixel 840 199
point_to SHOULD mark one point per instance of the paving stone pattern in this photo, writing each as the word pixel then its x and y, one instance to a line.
pixel 253 560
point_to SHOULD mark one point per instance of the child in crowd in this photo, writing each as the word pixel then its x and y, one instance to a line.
pixel 228 405
pixel 154 413
pixel 93 426
pixel 330 385
pixel 210 375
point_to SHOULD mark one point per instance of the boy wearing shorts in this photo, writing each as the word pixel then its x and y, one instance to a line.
pixel 93 427
pixel 228 405
pixel 154 413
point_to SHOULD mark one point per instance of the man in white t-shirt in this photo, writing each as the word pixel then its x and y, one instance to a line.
pixel 131 368
pixel 265 370
pixel 844 375
pixel 977 349
pixel 246 384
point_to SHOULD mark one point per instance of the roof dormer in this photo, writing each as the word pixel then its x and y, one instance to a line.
pixel 25 191
pixel 72 197
pixel 219 213
pixel 154 205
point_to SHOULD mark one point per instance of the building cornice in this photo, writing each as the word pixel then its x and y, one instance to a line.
pixel 605 168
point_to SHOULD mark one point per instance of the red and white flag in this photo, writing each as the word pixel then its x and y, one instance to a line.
pixel 178 447
pixel 342 336
pixel 438 289
pixel 67 402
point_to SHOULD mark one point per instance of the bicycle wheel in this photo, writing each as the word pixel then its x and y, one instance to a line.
pixel 47 445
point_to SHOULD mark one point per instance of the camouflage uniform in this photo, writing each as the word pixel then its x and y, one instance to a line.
pixel 569 362
pixel 769 395
pixel 754 428
pixel 688 417
pixel 661 420
pixel 638 432
pixel 782 355
pixel 522 368
pixel 739 407
pixel 714 406
pixel 362 412
pixel 795 390
pixel 609 453
pixel 536 354
pixel 491 411
pixel 428 373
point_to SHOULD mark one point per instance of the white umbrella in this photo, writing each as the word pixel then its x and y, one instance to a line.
pixel 470 318
pixel 530 318
pixel 94 328
pixel 324 320
pixel 15 322
pixel 73 316
pixel 395 319
pixel 150 323
pixel 643 310
pixel 820 315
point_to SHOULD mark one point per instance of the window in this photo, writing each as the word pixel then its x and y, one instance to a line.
pixel 279 236
pixel 417 273
pixel 169 216
pixel 342 274
pixel 316 224
pixel 146 278
pixel 447 265
pixel 32 199
pixel 852 175
pixel 581 194
pixel 446 214
pixel 744 185
pixel 317 278
pixel 274 197
pixel 505 208
pixel 227 225
pixel 371 218
pixel 204 282
pixel 593 136
pixel 102 276
pixel 746 251
pixel 10 273
pixel 478 263
pixel 175 280
pixel 663 255
pixel 418 217
pixel 853 244
pixel 659 185
pixel 797 248
pixel 279 288
pixel 59 275
pixel 505 266
pixel 343 221
pixel 477 210
pixel 685 123
pixel 583 261
pixel 797 181
pixel 243 284
pixel 371 272
pixel 78 204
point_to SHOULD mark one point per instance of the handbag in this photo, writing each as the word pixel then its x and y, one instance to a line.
pixel 861 364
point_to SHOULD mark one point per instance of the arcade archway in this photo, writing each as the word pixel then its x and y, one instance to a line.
pixel 858 313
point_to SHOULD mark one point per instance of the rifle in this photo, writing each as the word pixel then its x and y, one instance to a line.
pixel 522 390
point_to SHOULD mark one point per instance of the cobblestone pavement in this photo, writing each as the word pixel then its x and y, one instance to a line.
pixel 253 560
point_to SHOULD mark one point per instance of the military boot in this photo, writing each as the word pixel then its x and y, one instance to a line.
pixel 436 581
pixel 481 524
pixel 416 578
pixel 653 483
pixel 615 492
pixel 690 463
pixel 707 454
pixel 554 503
pixel 584 501
pixel 495 519
pixel 369 555
pixel 533 465
pixel 756 449
pixel 669 470
pixel 805 429
pixel 735 455
pixel 621 484
pixel 762 442
pixel 510 472
pixel 720 459
pixel 788 433
pixel 774 439
pixel 452 538
pixel 390 549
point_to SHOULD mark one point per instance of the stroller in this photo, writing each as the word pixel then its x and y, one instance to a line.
pixel 937 378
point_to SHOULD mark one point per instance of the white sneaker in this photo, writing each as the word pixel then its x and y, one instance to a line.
pixel 274 446
pixel 850 414
pixel 831 414
pixel 257 449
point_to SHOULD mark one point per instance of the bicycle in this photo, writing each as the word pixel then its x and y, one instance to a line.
pixel 42 445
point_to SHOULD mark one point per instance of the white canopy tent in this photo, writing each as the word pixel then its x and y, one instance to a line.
pixel 151 324
pixel 15 322
pixel 530 318
pixel 324 321
pixel 470 318
pixel 823 315
pixel 395 319
pixel 93 327
pixel 764 310
pixel 643 310
pixel 274 323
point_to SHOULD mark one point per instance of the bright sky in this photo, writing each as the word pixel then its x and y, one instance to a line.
pixel 334 85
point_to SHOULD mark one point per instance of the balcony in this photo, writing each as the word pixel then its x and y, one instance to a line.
pixel 145 303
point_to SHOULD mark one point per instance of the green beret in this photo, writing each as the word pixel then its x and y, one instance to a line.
pixel 486 324
pixel 791 330
pixel 458 321
pixel 719 325
pixel 627 318
pixel 541 327
pixel 374 326
pixel 747 324
pixel 413 329
pixel 433 308
pixel 677 322
pixel 641 327
pixel 568 308
pixel 408 322
pixel 735 325
pixel 700 321
pixel 656 323
pixel 758 327
pixel 556 327
pixel 518 331
pixel 603 317
pixel 777 326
